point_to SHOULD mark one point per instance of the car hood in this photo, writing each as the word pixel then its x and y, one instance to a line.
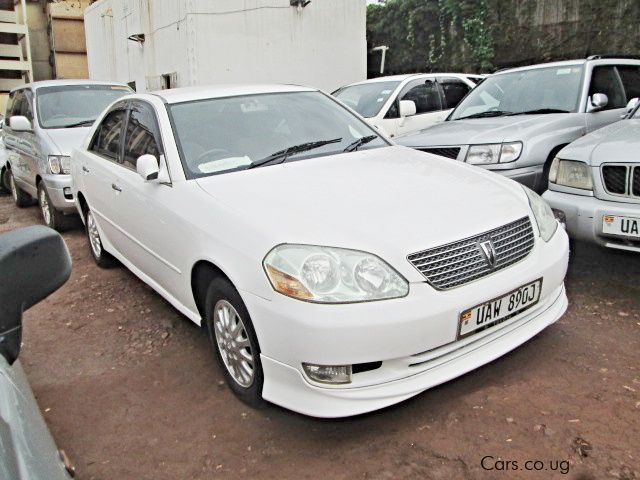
pixel 66 139
pixel 618 142
pixel 488 130
pixel 389 201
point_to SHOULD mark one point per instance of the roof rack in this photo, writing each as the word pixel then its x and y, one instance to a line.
pixel 624 57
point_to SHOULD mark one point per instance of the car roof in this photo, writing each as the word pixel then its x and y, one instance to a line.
pixel 60 83
pixel 401 78
pixel 188 94
pixel 578 62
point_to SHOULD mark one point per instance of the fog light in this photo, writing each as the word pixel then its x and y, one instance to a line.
pixel 561 217
pixel 66 191
pixel 333 374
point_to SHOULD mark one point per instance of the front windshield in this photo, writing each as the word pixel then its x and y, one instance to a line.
pixel 366 98
pixel 68 106
pixel 220 135
pixel 539 90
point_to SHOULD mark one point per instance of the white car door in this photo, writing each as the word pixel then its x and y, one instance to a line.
pixel 606 80
pixel 146 214
pixel 425 94
pixel 98 168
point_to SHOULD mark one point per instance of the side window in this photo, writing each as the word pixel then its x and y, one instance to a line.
pixel 454 91
pixel 630 76
pixel 605 80
pixel 140 137
pixel 26 105
pixel 10 101
pixel 16 106
pixel 107 139
pixel 425 95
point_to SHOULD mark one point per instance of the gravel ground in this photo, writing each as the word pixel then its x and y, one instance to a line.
pixel 130 390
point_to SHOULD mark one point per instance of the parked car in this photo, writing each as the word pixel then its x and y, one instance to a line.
pixel 595 183
pixel 400 104
pixel 44 122
pixel 517 120
pixel 34 262
pixel 336 273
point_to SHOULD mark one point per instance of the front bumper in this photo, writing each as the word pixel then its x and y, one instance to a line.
pixel 414 337
pixel 584 218
pixel 528 176
pixel 59 190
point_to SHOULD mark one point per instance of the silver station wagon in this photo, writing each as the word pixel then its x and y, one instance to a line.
pixel 45 121
pixel 517 120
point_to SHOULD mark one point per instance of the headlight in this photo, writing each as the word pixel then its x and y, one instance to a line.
pixel 59 164
pixel 494 153
pixel 547 223
pixel 570 173
pixel 332 275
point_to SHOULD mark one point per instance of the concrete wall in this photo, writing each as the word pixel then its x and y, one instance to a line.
pixel 227 41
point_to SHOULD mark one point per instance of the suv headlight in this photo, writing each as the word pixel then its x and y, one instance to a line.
pixel 59 164
pixel 332 275
pixel 547 223
pixel 570 173
pixel 494 153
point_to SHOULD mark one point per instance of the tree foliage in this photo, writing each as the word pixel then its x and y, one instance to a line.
pixel 482 35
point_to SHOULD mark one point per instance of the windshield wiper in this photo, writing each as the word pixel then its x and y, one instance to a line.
pixel 540 110
pixel 352 147
pixel 79 124
pixel 281 155
pixel 487 113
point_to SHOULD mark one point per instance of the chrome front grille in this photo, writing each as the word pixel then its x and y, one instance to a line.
pixel 461 262
pixel 448 152
pixel 622 180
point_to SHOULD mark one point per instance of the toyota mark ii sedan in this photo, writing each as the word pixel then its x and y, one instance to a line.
pixel 335 272
pixel 595 183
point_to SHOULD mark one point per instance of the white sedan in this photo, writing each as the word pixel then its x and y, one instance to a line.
pixel 335 272
pixel 402 104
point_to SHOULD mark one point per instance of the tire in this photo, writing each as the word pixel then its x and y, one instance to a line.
pixel 223 297
pixel 52 218
pixel 21 198
pixel 4 181
pixel 102 258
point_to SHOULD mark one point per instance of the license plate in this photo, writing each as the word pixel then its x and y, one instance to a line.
pixel 498 310
pixel 616 225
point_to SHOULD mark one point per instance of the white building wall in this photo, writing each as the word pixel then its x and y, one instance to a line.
pixel 227 41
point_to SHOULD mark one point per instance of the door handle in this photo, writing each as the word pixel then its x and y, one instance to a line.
pixel 116 187
pixel 85 169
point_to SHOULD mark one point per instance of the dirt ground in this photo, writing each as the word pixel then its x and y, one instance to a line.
pixel 130 390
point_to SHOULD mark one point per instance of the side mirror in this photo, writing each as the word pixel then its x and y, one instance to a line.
pixel 599 101
pixel 19 123
pixel 632 104
pixel 407 108
pixel 147 167
pixel 34 262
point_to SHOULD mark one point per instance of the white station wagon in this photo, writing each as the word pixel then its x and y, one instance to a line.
pixel 335 272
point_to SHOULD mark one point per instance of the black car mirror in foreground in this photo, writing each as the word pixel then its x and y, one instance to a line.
pixel 34 262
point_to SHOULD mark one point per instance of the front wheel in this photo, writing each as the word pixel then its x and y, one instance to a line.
pixel 5 187
pixel 234 341
pixel 52 218
pixel 102 258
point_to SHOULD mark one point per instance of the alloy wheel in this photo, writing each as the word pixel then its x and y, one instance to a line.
pixel 44 206
pixel 94 236
pixel 233 343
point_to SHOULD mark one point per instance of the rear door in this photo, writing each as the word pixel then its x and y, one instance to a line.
pixel 606 79
pixel 99 168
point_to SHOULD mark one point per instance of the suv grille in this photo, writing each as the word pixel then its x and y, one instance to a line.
pixel 463 261
pixel 451 152
pixel 615 179
pixel 621 180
